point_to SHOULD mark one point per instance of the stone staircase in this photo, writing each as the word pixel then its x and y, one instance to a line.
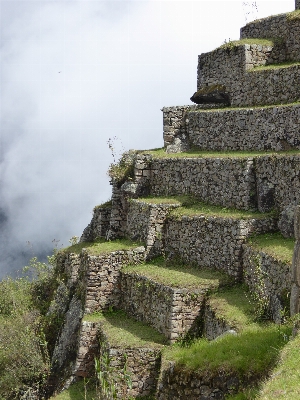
pixel 225 175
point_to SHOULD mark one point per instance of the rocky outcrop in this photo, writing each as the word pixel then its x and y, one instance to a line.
pixel 215 94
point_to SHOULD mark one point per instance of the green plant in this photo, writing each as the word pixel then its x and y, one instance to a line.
pixel 259 297
pixel 122 170
pixel 112 382
pixel 24 359
pixel 74 240
pixel 250 355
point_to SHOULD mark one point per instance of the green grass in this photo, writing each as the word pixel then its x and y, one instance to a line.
pixel 23 355
pixel 78 391
pixel 233 305
pixel 275 66
pixel 245 394
pixel 250 354
pixel 235 43
pixel 160 200
pixel 196 153
pixel 102 246
pixel 293 16
pixel 179 275
pixel 190 206
pixel 276 245
pixel 107 204
pixel 123 331
pixel 284 381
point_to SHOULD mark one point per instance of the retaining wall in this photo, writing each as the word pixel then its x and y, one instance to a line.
pixel 212 241
pixel 101 277
pixel 269 279
pixel 145 223
pixel 171 311
pixel 88 349
pixel 246 85
pixel 142 366
pixel 212 325
pixel 272 128
pixel 99 224
pixel 177 383
pixel 224 181
pixel 278 181
pixel 280 27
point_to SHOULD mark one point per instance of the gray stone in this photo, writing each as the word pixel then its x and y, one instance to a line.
pixel 296 264
pixel 294 301
pixel 286 221
pixel 211 94
pixel 297 223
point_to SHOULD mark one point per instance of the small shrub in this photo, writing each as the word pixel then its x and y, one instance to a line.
pixel 122 170
pixel 24 361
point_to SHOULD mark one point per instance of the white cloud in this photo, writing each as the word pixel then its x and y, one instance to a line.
pixel 76 73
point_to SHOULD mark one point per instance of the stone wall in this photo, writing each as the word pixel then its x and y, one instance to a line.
pixel 295 290
pixel 223 181
pixel 297 4
pixel 269 279
pixel 101 277
pixel 171 311
pixel 213 326
pixel 145 223
pixel 277 26
pixel 175 128
pixel 141 364
pixel 234 67
pixel 272 128
pixel 133 187
pixel 177 383
pixel 278 183
pixel 99 224
pixel 212 241
pixel 88 349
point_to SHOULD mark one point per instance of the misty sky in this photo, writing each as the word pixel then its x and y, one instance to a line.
pixel 75 74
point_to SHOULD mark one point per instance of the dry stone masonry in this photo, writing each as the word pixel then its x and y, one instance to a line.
pixel 263 115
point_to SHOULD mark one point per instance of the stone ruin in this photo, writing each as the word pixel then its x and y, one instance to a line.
pixel 261 113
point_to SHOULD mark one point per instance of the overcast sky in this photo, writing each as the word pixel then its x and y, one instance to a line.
pixel 75 74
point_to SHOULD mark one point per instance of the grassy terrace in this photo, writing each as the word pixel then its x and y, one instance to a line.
pixel 233 305
pixel 196 153
pixel 179 275
pixel 125 332
pixel 249 355
pixel 276 245
pixel 284 381
pixel 235 43
pixel 102 246
pixel 275 66
pixel 190 206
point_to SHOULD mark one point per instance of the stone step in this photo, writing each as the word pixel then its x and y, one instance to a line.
pixel 206 235
pixel 273 127
pixel 129 353
pixel 238 68
pixel 258 128
pixel 169 298
pixel 285 26
pixel 250 181
pixel 95 268
pixel 213 241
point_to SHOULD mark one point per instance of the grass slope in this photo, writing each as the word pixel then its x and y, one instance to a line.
pixel 276 245
pixel 179 275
